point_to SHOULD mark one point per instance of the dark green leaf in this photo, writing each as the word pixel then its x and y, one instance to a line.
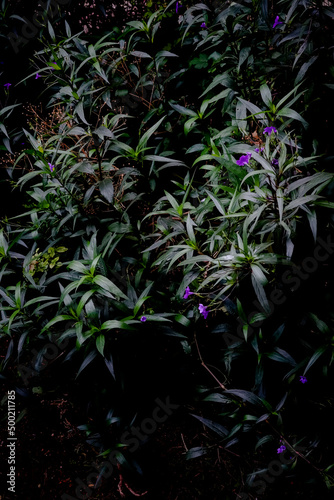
pixel 198 451
pixel 107 189
pixel 214 426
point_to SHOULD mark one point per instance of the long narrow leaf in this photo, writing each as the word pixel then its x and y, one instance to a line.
pixel 91 356
pixel 214 426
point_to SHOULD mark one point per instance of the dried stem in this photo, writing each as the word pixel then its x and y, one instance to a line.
pixel 207 368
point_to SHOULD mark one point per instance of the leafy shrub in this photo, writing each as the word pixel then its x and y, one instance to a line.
pixel 141 188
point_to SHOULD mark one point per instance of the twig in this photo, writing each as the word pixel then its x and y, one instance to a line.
pixel 207 368
pixel 184 444
pixel 133 492
pixel 96 144
pixel 226 449
pixel 120 484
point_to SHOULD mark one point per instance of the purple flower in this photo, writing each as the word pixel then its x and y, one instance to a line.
pixel 187 293
pixel 203 25
pixel 281 449
pixel 7 85
pixel 177 7
pixel 269 130
pixel 274 162
pixel 37 76
pixel 143 319
pixel 243 160
pixel 302 379
pixel 51 167
pixel 203 310
pixel 276 22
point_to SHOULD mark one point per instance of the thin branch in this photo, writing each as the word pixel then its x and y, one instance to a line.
pixel 207 368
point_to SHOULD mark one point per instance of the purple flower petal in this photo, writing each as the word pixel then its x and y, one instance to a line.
pixel 7 85
pixel 269 130
pixel 281 449
pixel 37 76
pixel 143 319
pixel 203 310
pixel 243 160
pixel 203 25
pixel 276 22
pixel 51 167
pixel 187 293
pixel 302 379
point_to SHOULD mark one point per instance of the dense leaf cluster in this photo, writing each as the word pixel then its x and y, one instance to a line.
pixel 178 163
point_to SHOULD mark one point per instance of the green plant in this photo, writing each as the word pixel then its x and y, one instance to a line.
pixel 191 209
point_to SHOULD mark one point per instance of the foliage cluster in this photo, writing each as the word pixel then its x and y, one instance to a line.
pixel 141 190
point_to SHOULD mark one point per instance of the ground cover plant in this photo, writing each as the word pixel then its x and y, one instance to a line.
pixel 174 249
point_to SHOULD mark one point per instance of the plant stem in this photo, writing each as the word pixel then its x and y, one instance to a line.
pixel 207 368
pixel 99 159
